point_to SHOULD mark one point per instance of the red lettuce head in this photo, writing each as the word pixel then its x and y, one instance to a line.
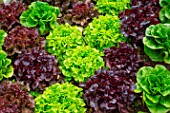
pixel 62 4
pixel 36 68
pixel 124 59
pixel 22 38
pixel 81 13
pixel 9 14
pixel 136 3
pixel 15 98
pixel 109 91
pixel 134 21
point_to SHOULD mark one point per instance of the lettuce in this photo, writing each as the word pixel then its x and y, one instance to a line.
pixel 104 32
pixel 154 83
pixel 112 7
pixel 81 13
pixel 41 15
pixel 109 91
pixel 20 38
pixel 15 98
pixel 164 14
pixel 9 15
pixel 37 69
pixel 157 43
pixel 60 98
pixel 62 38
pixel 81 63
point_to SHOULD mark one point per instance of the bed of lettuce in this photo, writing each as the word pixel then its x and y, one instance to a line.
pixel 84 56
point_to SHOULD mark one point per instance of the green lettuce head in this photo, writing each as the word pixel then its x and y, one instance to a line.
pixel 60 98
pixel 41 15
pixel 157 42
pixel 112 7
pixel 62 38
pixel 104 32
pixel 81 63
pixel 154 83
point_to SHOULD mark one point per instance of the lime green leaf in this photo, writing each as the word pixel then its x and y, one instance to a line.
pixel 151 43
pixel 167 57
pixel 9 72
pixel 143 72
pixel 158 109
pixel 148 30
pixel 147 101
pixel 154 55
pixel 6 62
pixel 164 2
pixel 145 84
pixel 1 75
pixel 141 112
pixel 42 27
pixel 138 88
pixel 164 14
pixel 165 101
pixel 31 22
pixel 2 54
pixel 3 34
pixel 153 98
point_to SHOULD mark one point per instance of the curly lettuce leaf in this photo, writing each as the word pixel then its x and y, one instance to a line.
pixel 104 32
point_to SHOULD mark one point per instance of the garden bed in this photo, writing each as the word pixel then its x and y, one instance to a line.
pixel 84 56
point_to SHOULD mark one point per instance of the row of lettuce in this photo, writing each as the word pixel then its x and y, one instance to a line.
pixel 96 57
